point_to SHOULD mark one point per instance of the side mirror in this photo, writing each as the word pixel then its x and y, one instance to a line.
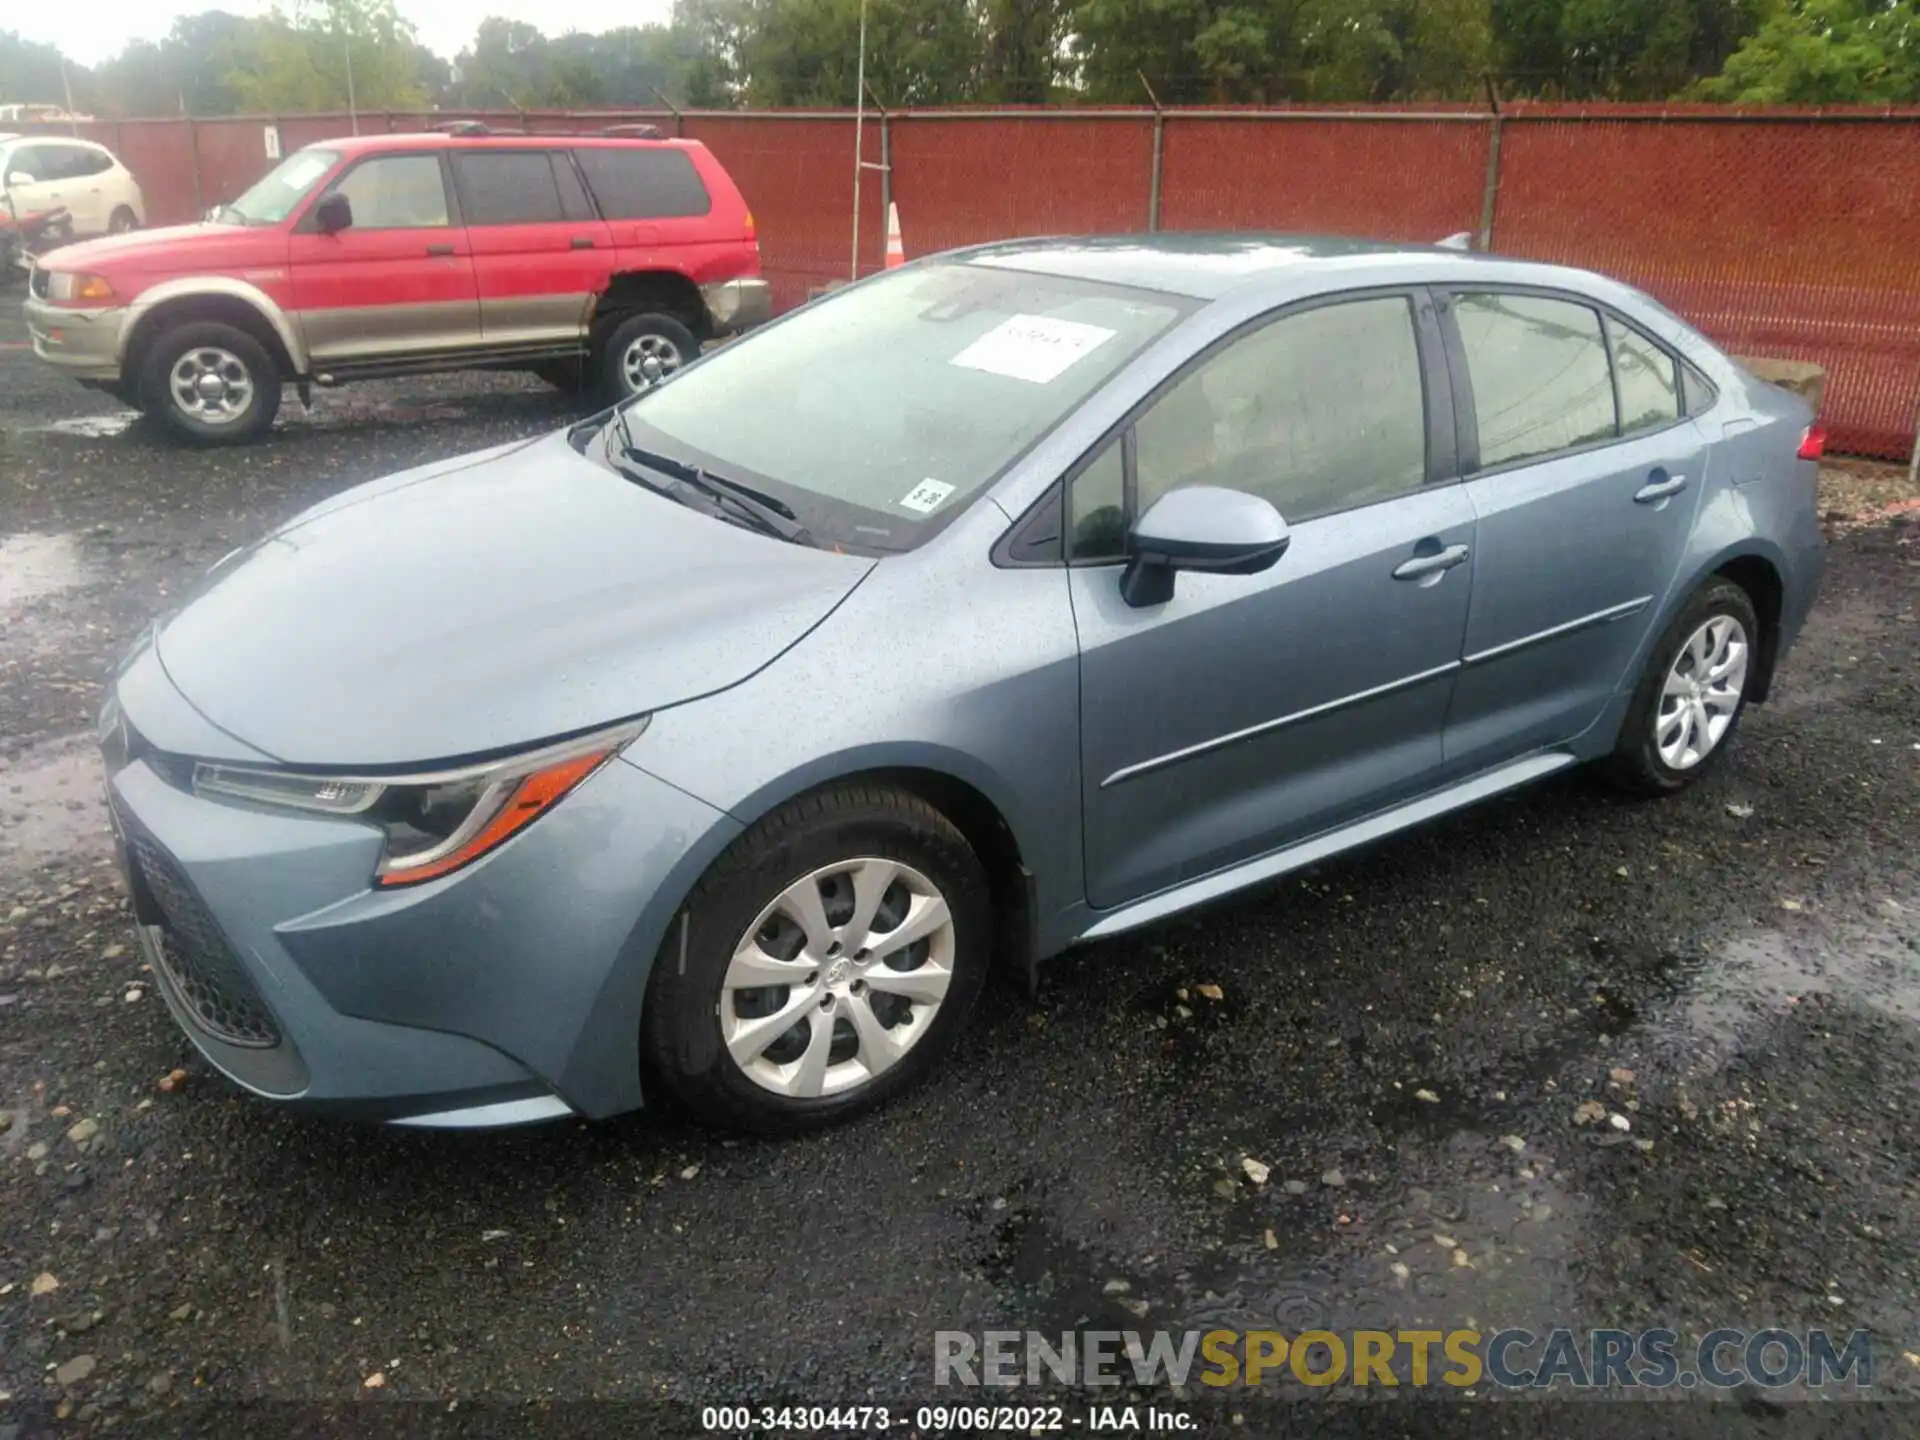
pixel 18 178
pixel 1200 527
pixel 333 214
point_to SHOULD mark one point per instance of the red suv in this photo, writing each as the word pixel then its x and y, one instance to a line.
pixel 584 259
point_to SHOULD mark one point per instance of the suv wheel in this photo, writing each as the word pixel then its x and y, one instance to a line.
pixel 1691 696
pixel 210 382
pixel 824 964
pixel 621 363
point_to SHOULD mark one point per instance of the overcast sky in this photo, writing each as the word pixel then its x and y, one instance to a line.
pixel 93 30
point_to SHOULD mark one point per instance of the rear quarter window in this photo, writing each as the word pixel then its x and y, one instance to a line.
pixel 643 183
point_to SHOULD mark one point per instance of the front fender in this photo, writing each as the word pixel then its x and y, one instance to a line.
pixel 189 287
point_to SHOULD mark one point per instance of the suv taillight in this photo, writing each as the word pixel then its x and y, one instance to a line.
pixel 1813 442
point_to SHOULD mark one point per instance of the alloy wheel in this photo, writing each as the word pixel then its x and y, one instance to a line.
pixel 211 385
pixel 1702 693
pixel 633 364
pixel 838 978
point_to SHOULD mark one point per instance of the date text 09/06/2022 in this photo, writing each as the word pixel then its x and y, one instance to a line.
pixel 946 1419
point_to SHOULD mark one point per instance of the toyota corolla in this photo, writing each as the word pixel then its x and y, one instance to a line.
pixel 715 746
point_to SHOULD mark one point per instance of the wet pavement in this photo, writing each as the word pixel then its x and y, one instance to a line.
pixel 1568 1060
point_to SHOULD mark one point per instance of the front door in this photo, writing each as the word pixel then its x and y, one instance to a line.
pixel 399 280
pixel 1251 711
pixel 541 257
pixel 1585 484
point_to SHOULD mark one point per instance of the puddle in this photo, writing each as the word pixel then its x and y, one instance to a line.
pixel 89 427
pixel 52 804
pixel 33 565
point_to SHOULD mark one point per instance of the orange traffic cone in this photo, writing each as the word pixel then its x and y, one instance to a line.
pixel 896 249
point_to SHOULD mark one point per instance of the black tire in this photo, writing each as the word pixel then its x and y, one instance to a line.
pixel 177 342
pixel 620 334
pixel 566 376
pixel 122 221
pixel 1636 765
pixel 681 1039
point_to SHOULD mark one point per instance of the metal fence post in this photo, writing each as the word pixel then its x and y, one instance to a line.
pixel 886 162
pixel 1159 155
pixel 1490 192
pixel 193 152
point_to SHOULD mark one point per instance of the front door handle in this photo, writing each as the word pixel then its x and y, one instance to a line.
pixel 1420 567
pixel 439 249
pixel 1659 489
pixel 583 242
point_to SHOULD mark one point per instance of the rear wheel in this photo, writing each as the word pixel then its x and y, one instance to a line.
pixel 638 351
pixel 824 965
pixel 1691 696
pixel 210 383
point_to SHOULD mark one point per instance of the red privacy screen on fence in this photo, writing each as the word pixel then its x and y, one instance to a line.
pixel 1783 233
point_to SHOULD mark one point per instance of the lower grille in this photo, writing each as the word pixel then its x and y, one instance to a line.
pixel 203 968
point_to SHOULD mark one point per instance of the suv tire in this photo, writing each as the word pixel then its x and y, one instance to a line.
pixel 628 340
pixel 870 1023
pixel 1692 694
pixel 210 383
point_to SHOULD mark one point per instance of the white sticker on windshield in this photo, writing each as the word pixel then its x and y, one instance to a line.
pixel 304 170
pixel 926 496
pixel 1036 348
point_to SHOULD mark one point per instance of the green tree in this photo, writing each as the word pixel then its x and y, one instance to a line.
pixel 1825 52
pixel 30 74
pixel 321 56
pixel 1615 49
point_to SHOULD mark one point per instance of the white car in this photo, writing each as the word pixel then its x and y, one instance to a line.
pixel 42 172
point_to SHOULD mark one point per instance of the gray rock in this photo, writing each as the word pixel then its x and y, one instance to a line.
pixel 75 1370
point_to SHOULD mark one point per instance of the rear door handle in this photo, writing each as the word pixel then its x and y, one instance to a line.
pixel 439 249
pixel 583 242
pixel 1659 489
pixel 1421 566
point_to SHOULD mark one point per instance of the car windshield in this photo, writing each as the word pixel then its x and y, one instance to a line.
pixel 272 198
pixel 877 415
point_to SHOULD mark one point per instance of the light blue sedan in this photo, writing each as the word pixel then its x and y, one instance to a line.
pixel 1028 594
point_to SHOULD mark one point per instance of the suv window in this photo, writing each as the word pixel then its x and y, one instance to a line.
pixel 643 183
pixel 1319 411
pixel 1539 371
pixel 395 192
pixel 1647 377
pixel 507 187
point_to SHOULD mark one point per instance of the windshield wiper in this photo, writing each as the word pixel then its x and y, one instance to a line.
pixel 763 511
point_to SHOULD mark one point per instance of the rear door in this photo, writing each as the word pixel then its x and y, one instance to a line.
pixel 1585 476
pixel 397 282
pixel 541 255
pixel 660 211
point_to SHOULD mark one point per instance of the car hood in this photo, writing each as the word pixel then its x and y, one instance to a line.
pixel 160 249
pixel 483 604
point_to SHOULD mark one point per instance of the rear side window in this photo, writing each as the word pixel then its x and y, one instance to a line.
pixel 574 203
pixel 643 182
pixel 1539 373
pixel 1648 377
pixel 1696 390
pixel 507 187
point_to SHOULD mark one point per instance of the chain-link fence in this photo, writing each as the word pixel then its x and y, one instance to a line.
pixel 1780 233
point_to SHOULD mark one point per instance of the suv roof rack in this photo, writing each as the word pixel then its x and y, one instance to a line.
pixel 616 132
pixel 634 132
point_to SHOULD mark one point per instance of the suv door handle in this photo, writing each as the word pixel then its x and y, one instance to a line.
pixel 439 249
pixel 1659 489
pixel 583 242
pixel 1422 566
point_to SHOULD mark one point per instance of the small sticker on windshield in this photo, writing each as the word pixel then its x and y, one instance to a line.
pixel 926 496
pixel 1035 348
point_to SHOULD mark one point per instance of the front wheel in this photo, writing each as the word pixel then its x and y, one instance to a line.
pixel 637 352
pixel 1691 695
pixel 823 966
pixel 210 383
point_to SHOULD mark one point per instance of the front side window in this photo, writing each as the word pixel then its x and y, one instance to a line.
pixel 1319 411
pixel 1648 380
pixel 396 192
pixel 27 160
pixel 1539 373
pixel 507 187
pixel 275 195
pixel 878 413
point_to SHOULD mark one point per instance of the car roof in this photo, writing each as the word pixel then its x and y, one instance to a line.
pixel 436 139
pixel 1202 265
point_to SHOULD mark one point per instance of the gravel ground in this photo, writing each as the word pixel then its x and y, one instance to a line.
pixel 1405 1037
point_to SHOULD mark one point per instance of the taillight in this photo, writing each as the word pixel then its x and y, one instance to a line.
pixel 1813 442
pixel 751 234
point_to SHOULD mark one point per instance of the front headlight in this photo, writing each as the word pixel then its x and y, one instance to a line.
pixel 434 823
pixel 77 285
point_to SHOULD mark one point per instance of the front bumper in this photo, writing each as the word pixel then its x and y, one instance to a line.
pixel 505 992
pixel 84 343
pixel 735 305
